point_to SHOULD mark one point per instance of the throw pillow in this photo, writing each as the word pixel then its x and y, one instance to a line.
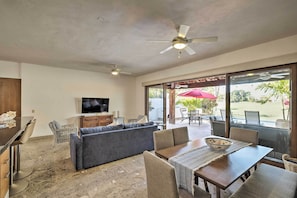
pixel 143 120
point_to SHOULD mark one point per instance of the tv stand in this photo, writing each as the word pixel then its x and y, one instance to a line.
pixel 97 120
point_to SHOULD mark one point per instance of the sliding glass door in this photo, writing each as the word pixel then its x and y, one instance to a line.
pixel 155 104
pixel 261 100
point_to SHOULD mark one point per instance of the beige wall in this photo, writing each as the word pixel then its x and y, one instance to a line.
pixel 55 93
pixel 277 52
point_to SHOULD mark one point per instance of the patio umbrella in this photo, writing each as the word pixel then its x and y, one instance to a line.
pixel 197 93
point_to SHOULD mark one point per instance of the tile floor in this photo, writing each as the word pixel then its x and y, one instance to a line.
pixel 54 175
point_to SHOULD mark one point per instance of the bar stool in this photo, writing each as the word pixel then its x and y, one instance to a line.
pixel 15 172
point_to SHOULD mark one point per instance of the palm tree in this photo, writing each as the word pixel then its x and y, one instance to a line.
pixel 276 89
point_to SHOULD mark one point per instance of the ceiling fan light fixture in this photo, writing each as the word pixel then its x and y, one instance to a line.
pixel 179 45
pixel 115 72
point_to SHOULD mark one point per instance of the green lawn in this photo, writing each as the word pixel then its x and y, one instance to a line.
pixel 269 111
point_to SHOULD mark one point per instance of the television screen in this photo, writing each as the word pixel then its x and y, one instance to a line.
pixel 95 105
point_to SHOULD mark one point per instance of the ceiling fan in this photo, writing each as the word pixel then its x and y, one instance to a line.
pixel 267 75
pixel 180 42
pixel 116 71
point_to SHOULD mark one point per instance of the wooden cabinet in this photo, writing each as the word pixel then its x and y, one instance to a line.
pixel 93 121
pixel 4 173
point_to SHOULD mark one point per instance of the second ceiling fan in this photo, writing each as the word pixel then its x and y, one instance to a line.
pixel 180 42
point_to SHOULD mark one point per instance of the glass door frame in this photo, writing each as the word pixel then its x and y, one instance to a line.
pixel 147 105
pixel 293 113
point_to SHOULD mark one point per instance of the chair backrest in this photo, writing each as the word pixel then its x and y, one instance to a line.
pixel 180 135
pixel 160 177
pixel 252 117
pixel 27 132
pixel 290 163
pixel 245 135
pixel 218 128
pixel 52 127
pixel 184 112
pixel 223 114
pixel 281 123
pixel 163 139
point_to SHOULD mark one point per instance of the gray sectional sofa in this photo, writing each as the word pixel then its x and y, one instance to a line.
pixel 99 145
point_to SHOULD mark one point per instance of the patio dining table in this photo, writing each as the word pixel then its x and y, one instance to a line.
pixel 221 171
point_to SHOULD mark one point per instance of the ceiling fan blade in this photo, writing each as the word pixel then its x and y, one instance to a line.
pixel 167 49
pixel 190 50
pixel 276 76
pixel 160 41
pixel 183 30
pixel 201 40
pixel 125 73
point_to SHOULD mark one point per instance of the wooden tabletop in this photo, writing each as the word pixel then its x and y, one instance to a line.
pixel 180 149
pixel 225 170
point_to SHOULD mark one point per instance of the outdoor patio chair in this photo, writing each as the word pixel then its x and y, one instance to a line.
pixel 184 113
pixel 223 115
pixel 290 163
pixel 161 180
pixel 252 117
pixel 194 115
pixel 281 123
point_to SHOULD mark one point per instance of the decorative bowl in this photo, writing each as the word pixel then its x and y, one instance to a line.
pixel 218 143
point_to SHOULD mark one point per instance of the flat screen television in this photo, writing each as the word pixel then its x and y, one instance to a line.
pixel 94 105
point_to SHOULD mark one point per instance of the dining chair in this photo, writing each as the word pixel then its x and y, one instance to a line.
pixel 290 163
pixel 180 135
pixel 245 135
pixel 161 180
pixel 163 139
pixel 252 117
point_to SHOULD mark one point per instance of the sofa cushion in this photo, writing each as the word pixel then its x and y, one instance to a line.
pixel 133 125
pixel 100 129
pixel 142 120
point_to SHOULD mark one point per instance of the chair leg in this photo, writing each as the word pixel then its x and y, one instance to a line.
pixel 206 186
pixel 20 174
pixel 19 186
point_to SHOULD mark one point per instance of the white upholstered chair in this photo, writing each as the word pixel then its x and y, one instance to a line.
pixel 180 135
pixel 163 139
pixel 245 135
pixel 161 180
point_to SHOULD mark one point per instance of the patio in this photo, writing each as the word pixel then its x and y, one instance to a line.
pixel 195 130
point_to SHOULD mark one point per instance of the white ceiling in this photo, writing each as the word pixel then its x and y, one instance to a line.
pixel 94 34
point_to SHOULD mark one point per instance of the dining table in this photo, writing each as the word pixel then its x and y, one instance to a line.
pixel 224 170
